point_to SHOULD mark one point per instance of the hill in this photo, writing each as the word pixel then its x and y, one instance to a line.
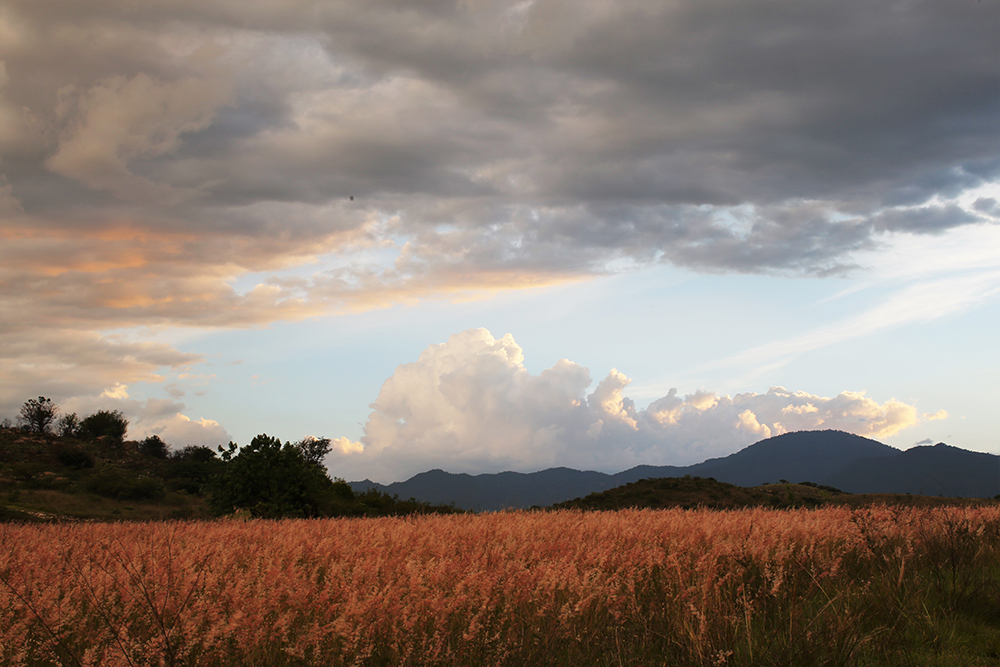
pixel 47 477
pixel 938 470
pixel 698 492
pixel 496 491
pixel 812 455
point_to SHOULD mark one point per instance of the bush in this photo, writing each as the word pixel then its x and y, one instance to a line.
pixel 118 484
pixel 194 454
pixel 74 457
pixel 191 469
pixel 153 447
pixel 68 425
pixel 104 423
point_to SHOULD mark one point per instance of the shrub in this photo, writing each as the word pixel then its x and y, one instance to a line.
pixel 69 425
pixel 153 447
pixel 195 454
pixel 191 469
pixel 74 457
pixel 120 485
pixel 104 423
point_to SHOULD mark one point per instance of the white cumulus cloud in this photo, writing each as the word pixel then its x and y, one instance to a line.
pixel 470 405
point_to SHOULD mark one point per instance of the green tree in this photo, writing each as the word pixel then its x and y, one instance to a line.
pixel 314 450
pixel 104 423
pixel 272 480
pixel 38 414
pixel 192 469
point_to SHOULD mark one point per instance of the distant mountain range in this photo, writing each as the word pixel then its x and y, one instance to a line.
pixel 834 458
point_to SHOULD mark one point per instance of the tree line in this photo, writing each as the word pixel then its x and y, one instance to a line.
pixel 267 478
pixel 38 415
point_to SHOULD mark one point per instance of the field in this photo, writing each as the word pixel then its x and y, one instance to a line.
pixel 832 586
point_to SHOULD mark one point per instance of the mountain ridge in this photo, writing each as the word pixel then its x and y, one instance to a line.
pixel 835 458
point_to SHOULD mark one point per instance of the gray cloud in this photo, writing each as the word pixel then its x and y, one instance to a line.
pixel 987 205
pixel 151 154
pixel 926 219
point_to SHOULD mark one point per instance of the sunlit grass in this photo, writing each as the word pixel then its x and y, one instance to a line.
pixel 885 586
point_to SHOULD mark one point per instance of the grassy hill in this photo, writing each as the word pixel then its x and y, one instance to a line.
pixel 690 492
pixel 45 477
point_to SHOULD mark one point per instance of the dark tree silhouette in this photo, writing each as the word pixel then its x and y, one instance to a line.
pixel 314 450
pixel 69 424
pixel 38 414
pixel 104 423
pixel 153 446
pixel 272 480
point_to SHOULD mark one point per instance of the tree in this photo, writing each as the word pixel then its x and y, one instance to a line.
pixel 69 425
pixel 272 480
pixel 104 423
pixel 153 446
pixel 192 469
pixel 314 450
pixel 38 414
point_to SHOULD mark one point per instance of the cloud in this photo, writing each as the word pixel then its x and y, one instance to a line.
pixel 152 416
pixel 119 121
pixel 987 205
pixel 350 156
pixel 948 292
pixel 925 219
pixel 179 430
pixel 63 364
pixel 925 441
pixel 469 405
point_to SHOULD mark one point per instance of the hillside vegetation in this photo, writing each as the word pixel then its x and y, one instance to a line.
pixel 697 492
pixel 95 474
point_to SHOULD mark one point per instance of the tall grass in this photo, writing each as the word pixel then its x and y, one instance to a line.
pixel 754 587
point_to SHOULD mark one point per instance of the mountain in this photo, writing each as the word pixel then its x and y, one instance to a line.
pixel 802 455
pixel 497 491
pixel 834 458
pixel 939 470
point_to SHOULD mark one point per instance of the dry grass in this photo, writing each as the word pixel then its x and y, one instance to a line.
pixel 884 586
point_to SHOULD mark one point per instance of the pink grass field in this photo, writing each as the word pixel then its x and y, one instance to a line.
pixel 687 587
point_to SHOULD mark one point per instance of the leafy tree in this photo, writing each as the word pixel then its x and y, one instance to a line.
pixel 192 469
pixel 272 480
pixel 194 453
pixel 314 450
pixel 69 425
pixel 104 423
pixel 154 447
pixel 38 414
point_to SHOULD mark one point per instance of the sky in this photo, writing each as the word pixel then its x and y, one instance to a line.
pixel 490 235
